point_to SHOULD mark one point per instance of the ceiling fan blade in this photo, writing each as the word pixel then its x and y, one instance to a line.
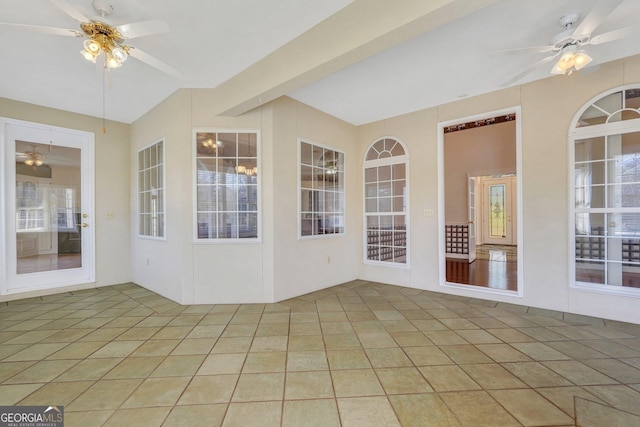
pixel 631 31
pixel 143 28
pixel 598 14
pixel 528 70
pixel 70 10
pixel 516 51
pixel 154 62
pixel 40 29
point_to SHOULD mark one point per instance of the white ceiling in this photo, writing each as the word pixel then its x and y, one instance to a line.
pixel 212 41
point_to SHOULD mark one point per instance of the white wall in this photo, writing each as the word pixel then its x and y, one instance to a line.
pixel 306 265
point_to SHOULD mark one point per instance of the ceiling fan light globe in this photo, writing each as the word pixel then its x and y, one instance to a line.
pixel 241 169
pixel 39 162
pixel 88 56
pixel 113 62
pixel 119 54
pixel 582 59
pixel 29 162
pixel 92 46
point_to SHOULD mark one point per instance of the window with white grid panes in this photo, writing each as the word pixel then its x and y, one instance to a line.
pixel 151 197
pixel 227 185
pixel 606 193
pixel 321 190
pixel 385 202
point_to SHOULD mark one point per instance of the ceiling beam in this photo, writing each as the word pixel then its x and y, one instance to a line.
pixel 358 31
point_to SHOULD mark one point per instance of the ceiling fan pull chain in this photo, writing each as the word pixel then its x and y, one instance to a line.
pixel 104 105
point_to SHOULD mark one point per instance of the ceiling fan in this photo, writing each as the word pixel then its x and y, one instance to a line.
pixel 569 44
pixel 103 38
pixel 31 158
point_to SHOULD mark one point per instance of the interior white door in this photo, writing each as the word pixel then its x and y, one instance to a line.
pixel 48 236
pixel 497 207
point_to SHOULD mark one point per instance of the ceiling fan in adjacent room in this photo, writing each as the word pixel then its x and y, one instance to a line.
pixel 103 39
pixel 569 44
pixel 31 158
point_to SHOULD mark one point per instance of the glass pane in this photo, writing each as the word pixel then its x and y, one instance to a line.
pixel 160 146
pixel 590 224
pixel 398 188
pixel 399 171
pixel 48 209
pixel 589 149
pixel 371 205
pixel 397 150
pixel 318 178
pixel 153 156
pixel 227 198
pixel 384 173
pixel 590 248
pixel 340 181
pixel 227 146
pixel 206 171
pixel 398 204
pixel 370 174
pixel 207 226
pixel 248 225
pixel 379 146
pixel 625 224
pixel 306 225
pixel 592 116
pixel 373 222
pixel 316 155
pixel 384 189
pixel 610 103
pixel 624 195
pixel 307 202
pixel 372 154
pixel 590 272
pixel 340 161
pixel 329 201
pixel 384 204
pixel 207 198
pixel 306 177
pixel 497 216
pixel 371 190
pixel 247 145
pixel 306 157
pixel 228 225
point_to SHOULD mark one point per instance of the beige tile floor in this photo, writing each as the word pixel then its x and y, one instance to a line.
pixel 357 354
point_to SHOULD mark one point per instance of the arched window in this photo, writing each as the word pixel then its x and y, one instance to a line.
pixel 386 199
pixel 605 195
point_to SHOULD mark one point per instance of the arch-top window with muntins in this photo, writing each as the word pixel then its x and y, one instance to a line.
pixel 605 148
pixel 615 107
pixel 386 202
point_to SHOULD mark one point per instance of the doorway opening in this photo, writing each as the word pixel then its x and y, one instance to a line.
pixel 480 203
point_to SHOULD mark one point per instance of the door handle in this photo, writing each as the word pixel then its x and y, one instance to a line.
pixel 84 224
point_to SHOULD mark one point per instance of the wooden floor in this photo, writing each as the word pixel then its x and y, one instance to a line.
pixel 495 267
pixel 39 263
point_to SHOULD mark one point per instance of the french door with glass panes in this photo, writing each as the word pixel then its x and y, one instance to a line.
pixel 47 193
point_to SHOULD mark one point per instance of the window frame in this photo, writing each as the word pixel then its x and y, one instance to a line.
pixel 577 133
pixel 386 161
pixel 194 160
pixel 342 193
pixel 163 188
